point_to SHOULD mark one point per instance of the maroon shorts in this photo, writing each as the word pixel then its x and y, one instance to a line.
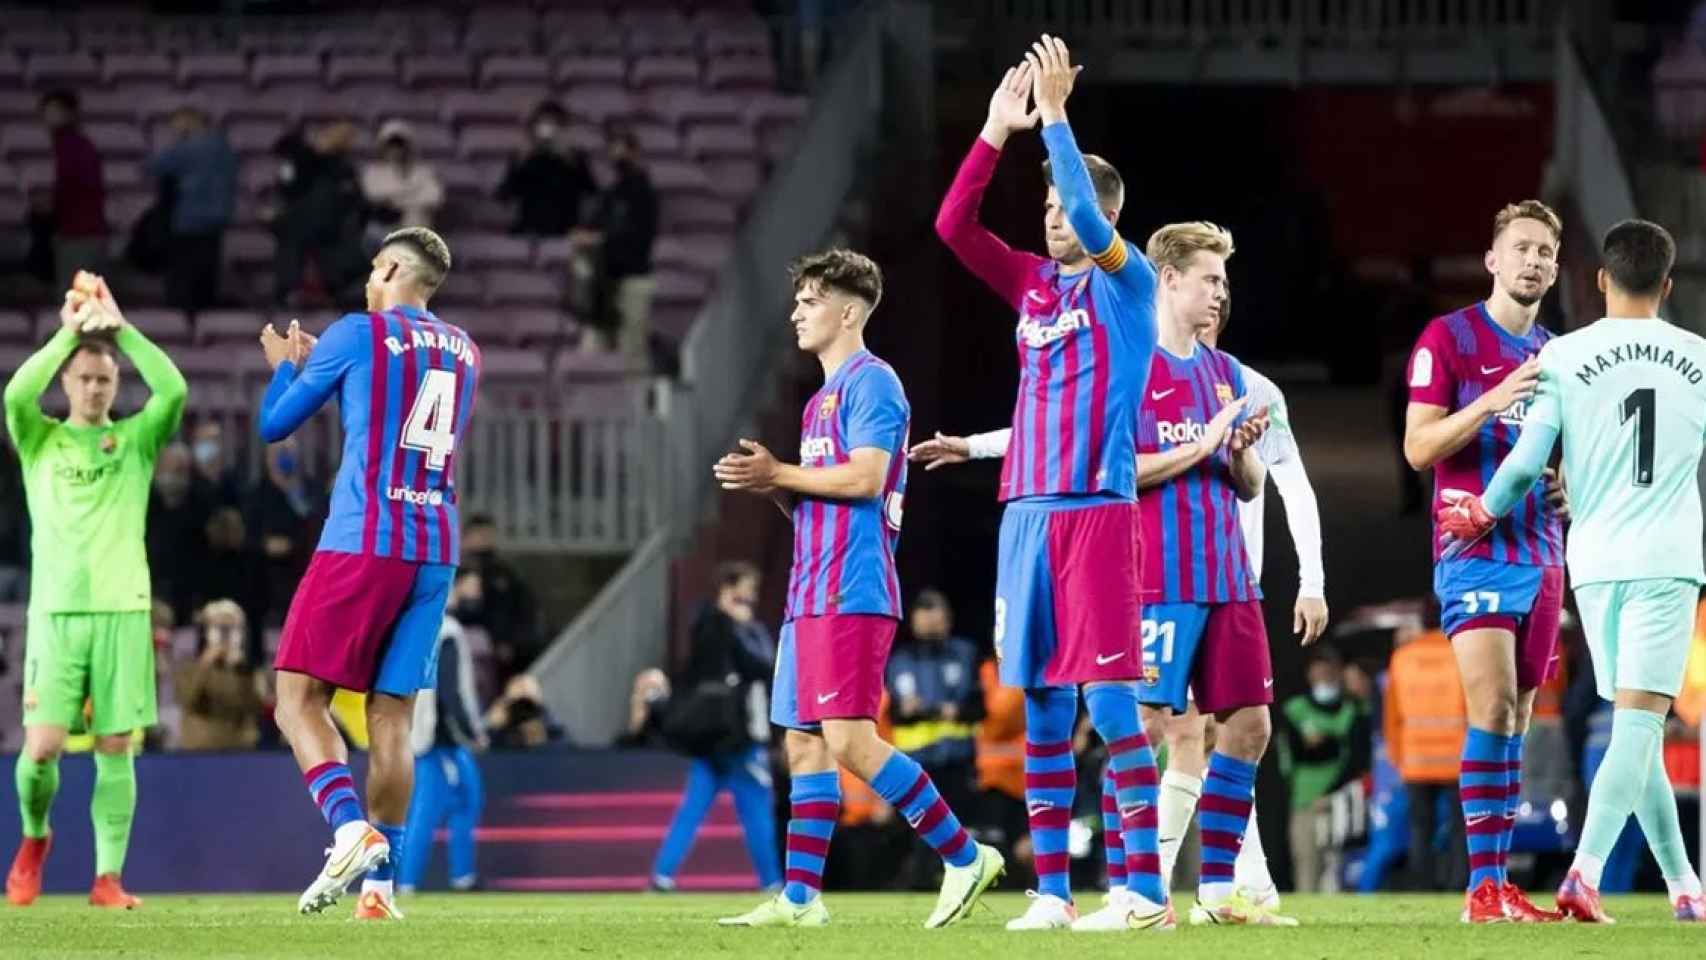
pixel 363 623
pixel 1214 652
pixel 1536 631
pixel 839 662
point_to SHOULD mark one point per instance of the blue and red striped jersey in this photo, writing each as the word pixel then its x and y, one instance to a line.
pixel 1084 343
pixel 844 549
pixel 405 383
pixel 1193 543
pixel 1459 357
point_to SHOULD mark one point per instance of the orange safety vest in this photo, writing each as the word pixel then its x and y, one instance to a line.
pixel 1001 736
pixel 1426 719
pixel 1682 755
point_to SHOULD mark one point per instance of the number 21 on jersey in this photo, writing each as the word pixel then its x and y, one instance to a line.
pixel 430 427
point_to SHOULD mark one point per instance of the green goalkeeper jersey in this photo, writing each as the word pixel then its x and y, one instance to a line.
pixel 1628 398
pixel 88 486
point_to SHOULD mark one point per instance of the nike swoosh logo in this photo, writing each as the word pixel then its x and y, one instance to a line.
pixel 337 869
pixel 1489 371
pixel 1267 683
pixel 1133 810
pixel 1471 821
pixel 1159 395
pixel 826 697
pixel 1102 661
pixel 1035 808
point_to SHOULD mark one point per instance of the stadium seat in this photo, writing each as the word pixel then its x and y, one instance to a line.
pixel 253 137
pixel 166 326
pixel 437 70
pixel 344 69
pixel 493 250
pixel 523 287
pixel 17 326
pixel 136 68
pixel 535 326
pixel 459 177
pixel 741 73
pixel 16 104
pixel 649 72
pixel 487 140
pixel 271 69
pixel 461 290
pixel 679 107
pixel 506 68
pixel 580 33
pixel 656 141
pixel 126 205
pixel 719 140
pixel 680 287
pixel 24 140
pixel 413 106
pixel 117 141
pixel 687 213
pixel 34 172
pixel 500 105
pixel 126 104
pixel 776 109
pixel 61 69
pixel 41 38
pixel 278 107
pixel 678 177
pixel 249 247
pixel 11 70
pixel 501 31
pixel 503 364
pixel 599 104
pixel 734 38
pixel 120 174
pixel 702 253
pixel 195 69
pixel 669 36
pixel 600 71
pixel 232 326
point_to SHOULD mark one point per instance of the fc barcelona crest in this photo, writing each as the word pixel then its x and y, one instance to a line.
pixel 1151 674
pixel 1223 392
pixel 109 443
pixel 826 407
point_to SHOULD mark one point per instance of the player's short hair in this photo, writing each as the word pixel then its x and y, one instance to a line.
pixel 1638 256
pixel 1110 189
pixel 427 252
pixel 931 598
pixel 842 270
pixel 1225 309
pixel 549 109
pixel 732 572
pixel 64 97
pixel 1176 243
pixel 100 344
pixel 1528 210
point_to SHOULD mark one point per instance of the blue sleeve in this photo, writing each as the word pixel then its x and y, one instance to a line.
pixel 1129 269
pixel 163 163
pixel 877 412
pixel 1540 428
pixel 292 398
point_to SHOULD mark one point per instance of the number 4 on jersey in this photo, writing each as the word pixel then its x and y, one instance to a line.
pixel 431 425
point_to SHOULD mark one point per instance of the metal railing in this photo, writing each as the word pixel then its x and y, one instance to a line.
pixel 1350 22
pixel 727 360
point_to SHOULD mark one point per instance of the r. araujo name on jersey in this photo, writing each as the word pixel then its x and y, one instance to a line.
pixel 844 549
pixel 1459 357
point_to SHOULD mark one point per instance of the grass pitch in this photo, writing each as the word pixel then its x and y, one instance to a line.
pixel 866 926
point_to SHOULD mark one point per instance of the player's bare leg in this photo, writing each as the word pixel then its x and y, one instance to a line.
pixel 304 716
pixel 390 783
pixel 815 800
pixel 1486 662
pixel 37 777
pixel 113 809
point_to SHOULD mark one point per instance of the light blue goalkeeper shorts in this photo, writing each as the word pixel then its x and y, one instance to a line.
pixel 1638 632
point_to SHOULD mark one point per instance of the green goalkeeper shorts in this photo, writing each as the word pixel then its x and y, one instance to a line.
pixel 1638 632
pixel 104 660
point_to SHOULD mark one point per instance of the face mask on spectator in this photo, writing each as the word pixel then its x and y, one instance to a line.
pixel 206 452
pixel 545 131
pixel 1324 693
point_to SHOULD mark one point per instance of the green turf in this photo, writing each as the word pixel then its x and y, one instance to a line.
pixel 867 926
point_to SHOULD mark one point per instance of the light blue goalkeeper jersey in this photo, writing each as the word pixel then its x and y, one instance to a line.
pixel 1628 398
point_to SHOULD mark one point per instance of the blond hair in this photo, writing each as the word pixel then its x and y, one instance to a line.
pixel 1528 210
pixel 1176 243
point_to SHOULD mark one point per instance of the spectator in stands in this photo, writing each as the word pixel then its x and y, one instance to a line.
pixel 322 211
pixel 548 183
pixel 723 696
pixel 932 681
pixel 79 192
pixel 506 609
pixel 622 230
pixel 283 511
pixel 213 463
pixel 646 706
pixel 1425 723
pixel 203 171
pixel 1314 753
pixel 220 694
pixel 233 569
pixel 401 189
pixel 448 788
pixel 178 508
pixel 1003 821
pixel 519 720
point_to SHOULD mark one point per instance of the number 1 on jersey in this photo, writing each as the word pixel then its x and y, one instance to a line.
pixel 1642 405
pixel 430 427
